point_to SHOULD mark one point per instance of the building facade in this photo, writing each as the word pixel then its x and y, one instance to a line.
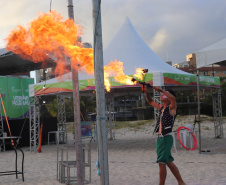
pixel 190 67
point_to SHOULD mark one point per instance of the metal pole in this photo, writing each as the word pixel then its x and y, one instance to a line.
pixel 198 96
pixel 77 121
pixel 100 94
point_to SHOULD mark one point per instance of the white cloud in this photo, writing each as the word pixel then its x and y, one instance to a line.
pixel 159 40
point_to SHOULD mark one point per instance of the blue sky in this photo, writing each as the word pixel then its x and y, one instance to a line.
pixel 171 28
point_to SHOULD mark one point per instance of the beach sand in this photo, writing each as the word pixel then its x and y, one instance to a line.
pixel 132 159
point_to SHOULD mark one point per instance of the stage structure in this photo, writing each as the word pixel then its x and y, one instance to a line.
pixel 34 115
pixel 110 117
pixel 35 103
pixel 156 97
pixel 61 117
pixel 217 112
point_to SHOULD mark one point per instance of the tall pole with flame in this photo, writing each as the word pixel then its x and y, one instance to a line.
pixel 77 120
pixel 100 94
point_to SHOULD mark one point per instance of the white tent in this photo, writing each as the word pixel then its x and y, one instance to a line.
pixel 128 47
pixel 213 54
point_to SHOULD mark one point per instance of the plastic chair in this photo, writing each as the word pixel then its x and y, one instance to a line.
pixel 184 133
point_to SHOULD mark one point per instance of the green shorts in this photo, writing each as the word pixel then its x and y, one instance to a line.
pixel 163 146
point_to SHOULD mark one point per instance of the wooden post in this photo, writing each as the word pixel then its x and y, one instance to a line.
pixel 77 121
pixel 100 94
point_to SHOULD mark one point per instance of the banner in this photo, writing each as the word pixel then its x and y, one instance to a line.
pixel 15 95
pixel 88 84
pixel 190 80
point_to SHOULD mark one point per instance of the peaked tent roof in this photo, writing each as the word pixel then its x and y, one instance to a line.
pixel 215 53
pixel 128 47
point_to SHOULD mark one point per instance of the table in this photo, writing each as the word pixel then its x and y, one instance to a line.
pixel 16 148
pixel 57 135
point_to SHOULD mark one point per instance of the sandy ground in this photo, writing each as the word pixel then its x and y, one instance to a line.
pixel 131 159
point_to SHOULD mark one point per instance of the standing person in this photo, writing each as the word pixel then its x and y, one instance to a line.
pixel 163 129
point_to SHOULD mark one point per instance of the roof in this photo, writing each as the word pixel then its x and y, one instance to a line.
pixel 10 63
pixel 128 47
pixel 213 54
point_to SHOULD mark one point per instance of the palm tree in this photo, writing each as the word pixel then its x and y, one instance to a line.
pixel 87 105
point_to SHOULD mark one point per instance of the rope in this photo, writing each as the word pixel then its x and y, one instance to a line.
pixel 21 131
pixel 82 116
pixel 12 142
pixel 97 164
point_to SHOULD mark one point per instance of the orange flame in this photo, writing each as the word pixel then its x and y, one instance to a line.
pixel 49 36
pixel 116 69
pixel 139 73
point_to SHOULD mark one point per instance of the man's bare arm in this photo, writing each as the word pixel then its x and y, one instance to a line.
pixel 173 104
pixel 150 100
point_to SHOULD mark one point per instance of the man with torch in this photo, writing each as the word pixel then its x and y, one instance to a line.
pixel 163 129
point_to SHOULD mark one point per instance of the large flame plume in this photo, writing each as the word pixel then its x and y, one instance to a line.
pixel 48 36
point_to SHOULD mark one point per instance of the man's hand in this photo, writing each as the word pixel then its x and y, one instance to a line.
pixel 157 88
pixel 148 97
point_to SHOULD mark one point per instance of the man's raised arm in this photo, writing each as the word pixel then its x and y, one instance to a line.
pixel 150 100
